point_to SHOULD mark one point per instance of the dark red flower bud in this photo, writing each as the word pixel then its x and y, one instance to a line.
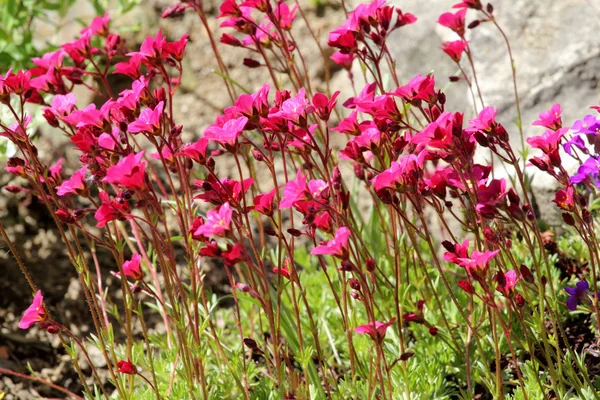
pixel 355 295
pixel 466 286
pixel 250 63
pixel 568 218
pixel 294 232
pixel 490 8
pixel 65 216
pixel 251 344
pixel 406 356
pixel 354 284
pixel 370 264
pixel 127 367
pixel 433 331
pixel 519 300
pixel 474 24
pixel 347 266
pixel 526 273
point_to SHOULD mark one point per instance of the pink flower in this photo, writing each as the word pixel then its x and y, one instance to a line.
pixel 285 15
pixel 110 210
pixel 62 105
pixel 455 21
pixel 418 88
pixel 152 47
pixel 227 133
pixel 129 172
pixel 550 119
pixel 507 282
pixel 455 49
pixel 294 191
pixel 99 26
pixel 338 246
pixel 132 268
pixel 263 203
pixel 56 169
pixel 176 49
pixel 343 60
pixel 195 151
pixel 50 60
pixel 477 264
pixel 565 199
pixel 131 67
pixel 148 121
pixel 35 312
pixel 217 222
pixel 400 174
pixel 375 329
pixel 294 108
pixel 484 122
pixel 490 197
pixel 549 143
pixel 74 185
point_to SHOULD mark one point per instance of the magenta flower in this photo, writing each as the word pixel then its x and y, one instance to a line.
pixel 132 268
pixel 62 105
pixel 56 169
pixel 454 21
pixel 418 88
pixel 99 26
pixel 343 60
pixel 400 174
pixel 148 121
pixel 565 199
pixel 338 246
pixel 484 122
pixel 285 15
pixel 227 133
pixel 35 312
pixel 477 264
pixel 217 222
pixel 294 191
pixel 550 119
pixel 263 203
pixel 548 142
pixel 375 329
pixel 176 49
pixel 294 108
pixel 491 196
pixel 507 282
pixel 74 185
pixel 195 151
pixel 110 210
pixel 129 172
pixel 455 49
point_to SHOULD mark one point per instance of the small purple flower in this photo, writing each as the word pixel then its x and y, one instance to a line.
pixel 588 125
pixel 589 169
pixel 576 141
pixel 579 293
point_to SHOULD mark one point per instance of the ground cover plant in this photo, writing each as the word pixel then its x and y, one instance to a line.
pixel 395 266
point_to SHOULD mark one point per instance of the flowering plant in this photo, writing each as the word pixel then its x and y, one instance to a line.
pixel 328 300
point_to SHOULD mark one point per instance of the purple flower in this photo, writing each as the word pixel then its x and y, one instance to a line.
pixel 589 169
pixel 576 141
pixel 589 125
pixel 577 294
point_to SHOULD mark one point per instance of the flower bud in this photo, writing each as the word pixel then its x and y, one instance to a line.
pixel 519 300
pixel 354 284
